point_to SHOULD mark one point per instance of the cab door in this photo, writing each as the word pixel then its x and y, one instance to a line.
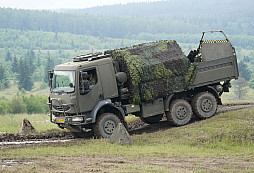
pixel 91 97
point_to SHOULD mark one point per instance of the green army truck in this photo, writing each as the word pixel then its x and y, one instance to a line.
pixel 95 92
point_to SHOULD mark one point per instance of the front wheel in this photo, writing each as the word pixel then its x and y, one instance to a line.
pixel 204 105
pixel 105 125
pixel 180 112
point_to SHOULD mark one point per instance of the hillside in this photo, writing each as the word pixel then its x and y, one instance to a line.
pixel 223 143
pixel 167 8
pixel 169 17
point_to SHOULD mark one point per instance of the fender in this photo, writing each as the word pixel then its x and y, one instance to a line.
pixel 167 101
pixel 102 104
pixel 215 93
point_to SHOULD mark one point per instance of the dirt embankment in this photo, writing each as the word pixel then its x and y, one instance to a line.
pixel 137 127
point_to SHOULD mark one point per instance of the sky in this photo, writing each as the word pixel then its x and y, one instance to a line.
pixel 57 4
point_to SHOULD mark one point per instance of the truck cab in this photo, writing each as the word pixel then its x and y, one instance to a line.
pixel 81 90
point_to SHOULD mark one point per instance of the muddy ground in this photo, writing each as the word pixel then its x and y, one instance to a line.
pixel 136 127
pixel 162 163
pixel 108 163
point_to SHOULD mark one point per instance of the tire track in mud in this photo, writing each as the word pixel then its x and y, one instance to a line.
pixel 137 127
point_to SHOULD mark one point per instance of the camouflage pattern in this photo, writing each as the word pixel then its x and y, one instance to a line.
pixel 154 69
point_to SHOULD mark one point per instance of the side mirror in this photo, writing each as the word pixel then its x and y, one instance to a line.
pixel 51 73
pixel 50 77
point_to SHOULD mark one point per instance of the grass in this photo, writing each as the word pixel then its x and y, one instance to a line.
pixel 13 90
pixel 224 143
pixel 12 122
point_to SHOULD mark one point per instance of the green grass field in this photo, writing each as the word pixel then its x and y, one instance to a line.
pixel 223 143
pixel 12 122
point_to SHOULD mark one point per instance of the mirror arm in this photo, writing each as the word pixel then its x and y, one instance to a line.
pixel 50 77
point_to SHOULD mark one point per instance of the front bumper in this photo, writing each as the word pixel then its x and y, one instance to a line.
pixel 60 115
pixel 71 120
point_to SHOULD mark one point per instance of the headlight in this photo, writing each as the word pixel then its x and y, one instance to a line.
pixel 77 119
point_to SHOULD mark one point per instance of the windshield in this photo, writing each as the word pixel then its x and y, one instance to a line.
pixel 63 81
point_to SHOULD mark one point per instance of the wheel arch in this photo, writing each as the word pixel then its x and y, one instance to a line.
pixel 110 108
pixel 107 106
pixel 213 91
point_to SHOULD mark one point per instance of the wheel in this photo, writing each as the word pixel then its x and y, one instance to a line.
pixel 180 112
pixel 152 120
pixel 204 105
pixel 105 125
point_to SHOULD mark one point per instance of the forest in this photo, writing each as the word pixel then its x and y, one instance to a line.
pixel 34 41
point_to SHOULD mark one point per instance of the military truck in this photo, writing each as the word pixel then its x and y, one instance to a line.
pixel 95 92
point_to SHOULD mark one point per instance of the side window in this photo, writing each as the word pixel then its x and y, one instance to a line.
pixel 91 77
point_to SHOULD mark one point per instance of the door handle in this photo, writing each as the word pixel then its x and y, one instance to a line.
pixel 101 96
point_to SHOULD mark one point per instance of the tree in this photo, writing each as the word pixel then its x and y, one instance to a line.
pixel 31 58
pixel 8 56
pixel 251 83
pixel 246 59
pixel 24 76
pixel 15 65
pixel 240 87
pixel 2 72
pixel 4 81
pixel 38 62
pixel 244 71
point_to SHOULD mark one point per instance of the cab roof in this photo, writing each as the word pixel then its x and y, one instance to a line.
pixel 88 60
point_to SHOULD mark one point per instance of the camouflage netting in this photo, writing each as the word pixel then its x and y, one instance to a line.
pixel 154 69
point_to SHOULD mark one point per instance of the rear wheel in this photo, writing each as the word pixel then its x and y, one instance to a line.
pixel 105 125
pixel 180 112
pixel 204 105
pixel 152 120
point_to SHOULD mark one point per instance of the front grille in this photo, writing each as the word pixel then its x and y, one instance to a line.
pixel 61 108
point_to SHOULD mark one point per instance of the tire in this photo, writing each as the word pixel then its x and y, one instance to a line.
pixel 152 120
pixel 105 125
pixel 180 112
pixel 204 105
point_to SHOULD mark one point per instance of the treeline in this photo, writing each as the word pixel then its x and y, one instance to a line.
pixel 123 27
pixel 24 104
pixel 41 40
pixel 168 8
